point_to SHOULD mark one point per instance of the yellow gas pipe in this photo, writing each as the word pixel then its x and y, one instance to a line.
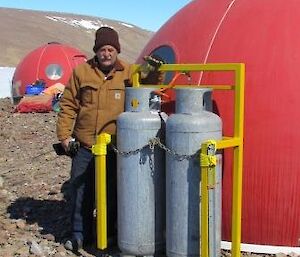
pixel 208 162
pixel 100 151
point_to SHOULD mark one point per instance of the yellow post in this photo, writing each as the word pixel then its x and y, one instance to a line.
pixel 136 75
pixel 238 162
pixel 100 151
pixel 208 163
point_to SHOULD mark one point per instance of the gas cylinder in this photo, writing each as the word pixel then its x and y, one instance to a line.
pixel 190 126
pixel 140 175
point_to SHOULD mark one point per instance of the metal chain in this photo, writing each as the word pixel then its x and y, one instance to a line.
pixel 123 153
pixel 151 144
pixel 177 156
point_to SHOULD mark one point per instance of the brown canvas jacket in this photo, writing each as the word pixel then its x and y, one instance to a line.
pixel 92 102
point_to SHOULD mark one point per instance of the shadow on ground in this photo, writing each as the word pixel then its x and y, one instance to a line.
pixel 50 215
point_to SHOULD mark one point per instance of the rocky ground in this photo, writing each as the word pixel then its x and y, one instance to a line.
pixel 34 209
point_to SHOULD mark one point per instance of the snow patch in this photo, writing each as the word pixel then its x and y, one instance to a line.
pixel 6 75
pixel 126 25
pixel 87 24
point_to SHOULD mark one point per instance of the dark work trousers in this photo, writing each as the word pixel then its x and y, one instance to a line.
pixel 83 194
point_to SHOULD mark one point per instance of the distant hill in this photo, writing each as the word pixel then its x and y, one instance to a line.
pixel 24 30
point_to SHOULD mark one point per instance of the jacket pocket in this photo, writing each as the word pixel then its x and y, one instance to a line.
pixel 116 98
pixel 88 94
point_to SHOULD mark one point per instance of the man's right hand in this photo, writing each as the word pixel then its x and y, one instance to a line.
pixel 65 143
pixel 150 66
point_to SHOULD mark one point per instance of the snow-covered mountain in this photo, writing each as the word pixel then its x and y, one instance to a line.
pixel 24 30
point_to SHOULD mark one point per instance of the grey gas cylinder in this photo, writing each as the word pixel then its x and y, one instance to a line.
pixel 190 126
pixel 140 175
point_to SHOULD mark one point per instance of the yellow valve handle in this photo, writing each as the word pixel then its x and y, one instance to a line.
pixel 135 103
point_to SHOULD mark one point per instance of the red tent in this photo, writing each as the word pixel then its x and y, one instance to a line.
pixel 52 63
pixel 264 35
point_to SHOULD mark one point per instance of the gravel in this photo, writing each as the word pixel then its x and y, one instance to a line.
pixel 34 206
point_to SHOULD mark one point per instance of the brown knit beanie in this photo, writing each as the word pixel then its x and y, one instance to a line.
pixel 106 36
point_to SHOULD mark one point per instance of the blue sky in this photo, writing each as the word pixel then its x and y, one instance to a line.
pixel 151 14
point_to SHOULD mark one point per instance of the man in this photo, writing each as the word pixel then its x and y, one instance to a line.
pixel 90 105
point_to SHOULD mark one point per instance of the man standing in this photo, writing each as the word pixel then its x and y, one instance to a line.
pixel 90 105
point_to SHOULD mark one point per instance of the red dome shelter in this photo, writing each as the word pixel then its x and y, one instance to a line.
pixel 52 63
pixel 262 34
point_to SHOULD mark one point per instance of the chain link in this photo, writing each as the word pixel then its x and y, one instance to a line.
pixel 129 153
pixel 177 156
pixel 151 144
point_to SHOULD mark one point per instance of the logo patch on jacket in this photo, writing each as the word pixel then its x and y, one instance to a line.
pixel 118 96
